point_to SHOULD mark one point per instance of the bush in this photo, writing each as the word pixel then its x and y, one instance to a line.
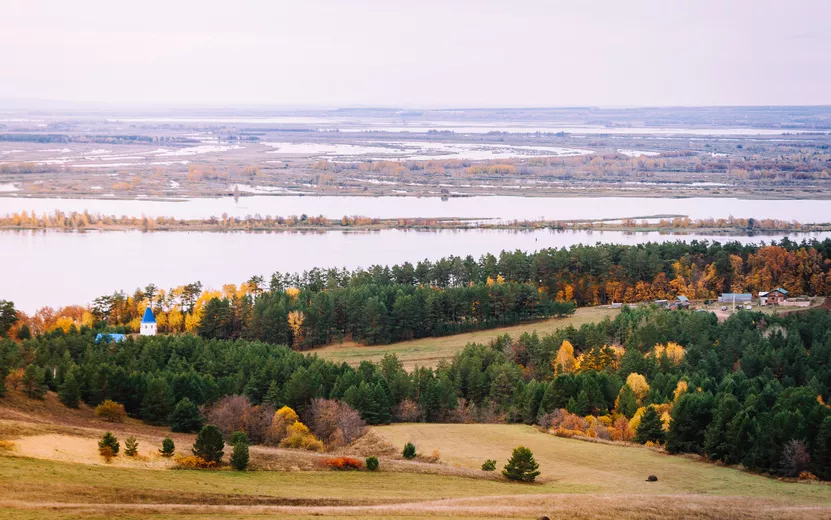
pixel 185 417
pixel 343 463
pixel 194 462
pixel 521 467
pixel 168 447
pixel 209 444
pixel 372 463
pixel 237 437
pixel 409 451
pixel 107 453
pixel 131 446
pixel 489 465
pixel 108 442
pixel 299 436
pixel 111 411
pixel 239 457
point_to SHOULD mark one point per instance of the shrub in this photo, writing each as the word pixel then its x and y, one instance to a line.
pixel 372 464
pixel 237 437
pixel 239 457
pixel 343 463
pixel 209 444
pixel 111 411
pixel 409 451
pixel 807 475
pixel 521 467
pixel 131 446
pixel 168 447
pixel 194 462
pixel 6 445
pixel 299 436
pixel 185 417
pixel 489 465
pixel 335 422
pixel 107 453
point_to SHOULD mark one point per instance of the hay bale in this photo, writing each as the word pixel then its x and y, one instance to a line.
pixel 652 478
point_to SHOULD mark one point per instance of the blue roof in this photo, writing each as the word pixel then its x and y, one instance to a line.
pixel 683 298
pixel 115 338
pixel 148 316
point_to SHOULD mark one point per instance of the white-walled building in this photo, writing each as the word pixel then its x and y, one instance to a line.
pixel 148 323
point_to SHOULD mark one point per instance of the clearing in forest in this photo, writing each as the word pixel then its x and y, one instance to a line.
pixel 427 352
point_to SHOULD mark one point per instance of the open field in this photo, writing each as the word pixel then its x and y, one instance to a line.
pixel 428 351
pixel 587 467
pixel 591 481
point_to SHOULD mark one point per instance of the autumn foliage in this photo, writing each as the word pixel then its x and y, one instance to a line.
pixel 343 463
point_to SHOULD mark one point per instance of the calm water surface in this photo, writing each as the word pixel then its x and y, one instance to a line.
pixel 39 268
pixel 522 208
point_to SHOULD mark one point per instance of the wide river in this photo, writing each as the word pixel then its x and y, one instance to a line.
pixel 55 268
pixel 522 208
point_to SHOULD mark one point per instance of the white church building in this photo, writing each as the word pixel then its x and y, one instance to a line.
pixel 148 323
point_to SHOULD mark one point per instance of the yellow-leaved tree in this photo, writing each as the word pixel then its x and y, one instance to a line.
pixel 637 383
pixel 565 362
pixel 674 351
pixel 296 319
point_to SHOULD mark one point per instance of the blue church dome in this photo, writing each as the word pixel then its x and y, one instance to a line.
pixel 148 316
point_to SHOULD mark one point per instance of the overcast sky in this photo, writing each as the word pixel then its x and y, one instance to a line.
pixel 418 53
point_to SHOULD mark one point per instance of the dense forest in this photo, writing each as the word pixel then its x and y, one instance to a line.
pixel 383 304
pixel 751 390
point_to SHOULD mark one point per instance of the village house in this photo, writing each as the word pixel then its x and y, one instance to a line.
pixel 680 302
pixel 774 297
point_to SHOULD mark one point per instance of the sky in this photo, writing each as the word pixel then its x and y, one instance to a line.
pixel 417 53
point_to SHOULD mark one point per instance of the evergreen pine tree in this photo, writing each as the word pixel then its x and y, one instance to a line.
pixel 521 466
pixel 131 446
pixel 33 382
pixel 156 405
pixel 651 427
pixel 168 447
pixel 822 450
pixel 627 402
pixel 69 392
pixel 109 441
pixel 185 417
pixel 209 444
pixel 239 457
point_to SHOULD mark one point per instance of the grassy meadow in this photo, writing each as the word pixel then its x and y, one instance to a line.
pixel 427 352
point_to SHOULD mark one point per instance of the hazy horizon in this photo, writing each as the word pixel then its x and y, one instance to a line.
pixel 325 54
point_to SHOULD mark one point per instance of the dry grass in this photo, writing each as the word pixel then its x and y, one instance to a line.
pixel 52 471
pixel 429 351
pixel 570 465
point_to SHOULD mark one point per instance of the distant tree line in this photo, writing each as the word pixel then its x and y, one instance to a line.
pixel 381 304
